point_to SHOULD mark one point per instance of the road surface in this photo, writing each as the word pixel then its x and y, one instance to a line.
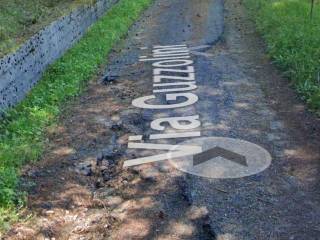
pixel 86 188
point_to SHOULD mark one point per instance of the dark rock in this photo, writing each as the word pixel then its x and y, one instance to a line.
pixel 99 183
pixel 106 177
pixel 117 127
pixel 149 175
pixel 109 78
pixel 161 215
pixel 100 158
pixel 46 205
pixel 85 170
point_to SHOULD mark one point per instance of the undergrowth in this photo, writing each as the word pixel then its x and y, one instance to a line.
pixel 293 40
pixel 23 129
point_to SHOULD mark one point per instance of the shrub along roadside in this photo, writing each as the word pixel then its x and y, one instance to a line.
pixel 22 131
pixel 293 41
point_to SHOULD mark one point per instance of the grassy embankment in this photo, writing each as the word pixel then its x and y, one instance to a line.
pixel 23 130
pixel 20 19
pixel 293 40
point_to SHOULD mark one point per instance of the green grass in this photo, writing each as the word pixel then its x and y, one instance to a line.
pixel 293 41
pixel 19 19
pixel 23 130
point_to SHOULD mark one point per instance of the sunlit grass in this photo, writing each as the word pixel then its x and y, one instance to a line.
pixel 293 41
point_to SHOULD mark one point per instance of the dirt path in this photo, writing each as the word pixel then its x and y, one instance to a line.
pixel 81 191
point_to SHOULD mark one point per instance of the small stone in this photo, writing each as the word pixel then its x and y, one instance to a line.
pixel 106 177
pixel 113 200
pixel 50 212
pixel 149 175
pixel 85 170
pixel 100 157
pixel 98 183
pixel 103 168
pixel 164 168
pixel 46 205
pixel 161 215
pixel 109 79
pixel 116 127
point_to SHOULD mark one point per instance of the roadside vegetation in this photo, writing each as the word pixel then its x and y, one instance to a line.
pixel 291 29
pixel 22 131
pixel 20 19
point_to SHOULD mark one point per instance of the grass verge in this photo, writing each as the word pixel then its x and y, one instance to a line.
pixel 22 131
pixel 293 41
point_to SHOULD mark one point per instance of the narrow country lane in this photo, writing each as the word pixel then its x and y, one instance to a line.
pixel 189 72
